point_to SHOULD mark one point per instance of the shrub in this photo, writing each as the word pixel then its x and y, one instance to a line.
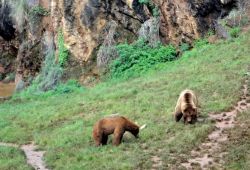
pixel 200 42
pixel 210 33
pixel 68 87
pixel 38 11
pixel 144 1
pixel 35 17
pixel 139 57
pixel 63 53
pixel 234 32
pixel 184 47
pixel 156 11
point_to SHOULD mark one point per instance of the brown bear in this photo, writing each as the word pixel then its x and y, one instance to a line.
pixel 116 125
pixel 186 106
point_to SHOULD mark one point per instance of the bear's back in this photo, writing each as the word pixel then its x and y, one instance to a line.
pixel 109 124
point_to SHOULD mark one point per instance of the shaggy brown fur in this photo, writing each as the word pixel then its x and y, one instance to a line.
pixel 187 107
pixel 115 124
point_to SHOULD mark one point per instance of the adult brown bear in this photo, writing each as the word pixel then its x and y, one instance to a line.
pixel 186 106
pixel 116 125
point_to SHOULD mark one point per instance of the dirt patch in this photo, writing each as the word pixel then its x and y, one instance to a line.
pixel 6 89
pixel 206 156
pixel 157 162
pixel 34 157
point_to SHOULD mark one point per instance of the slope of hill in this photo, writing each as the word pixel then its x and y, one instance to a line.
pixel 61 124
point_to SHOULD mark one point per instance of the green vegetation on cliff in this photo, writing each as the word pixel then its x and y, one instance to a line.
pixel 62 124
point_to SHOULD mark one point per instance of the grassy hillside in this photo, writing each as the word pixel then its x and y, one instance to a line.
pixel 12 158
pixel 237 147
pixel 62 124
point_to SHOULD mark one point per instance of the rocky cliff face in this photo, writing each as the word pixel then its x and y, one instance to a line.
pixel 185 21
pixel 83 22
pixel 84 26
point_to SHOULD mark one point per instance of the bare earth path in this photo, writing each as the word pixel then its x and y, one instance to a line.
pixel 206 156
pixel 34 157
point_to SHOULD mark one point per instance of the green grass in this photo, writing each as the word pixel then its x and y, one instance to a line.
pixel 237 147
pixel 12 159
pixel 62 124
pixel 238 156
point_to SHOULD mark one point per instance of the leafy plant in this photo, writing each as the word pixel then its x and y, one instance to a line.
pixel 144 1
pixel 234 32
pixel 156 11
pixel 210 33
pixel 35 17
pixel 200 42
pixel 138 57
pixel 184 47
pixel 38 10
pixel 63 53
pixel 152 7
pixel 69 87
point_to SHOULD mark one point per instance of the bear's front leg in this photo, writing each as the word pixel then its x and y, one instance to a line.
pixel 178 116
pixel 97 135
pixel 118 134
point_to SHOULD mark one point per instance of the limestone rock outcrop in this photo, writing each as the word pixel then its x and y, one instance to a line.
pixel 84 26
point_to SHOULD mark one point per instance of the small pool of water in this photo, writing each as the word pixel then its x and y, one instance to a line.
pixel 6 89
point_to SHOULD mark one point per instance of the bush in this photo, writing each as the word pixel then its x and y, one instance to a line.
pixel 144 1
pixel 35 17
pixel 200 42
pixel 62 50
pixel 234 32
pixel 138 57
pixel 184 47
pixel 69 87
pixel 38 11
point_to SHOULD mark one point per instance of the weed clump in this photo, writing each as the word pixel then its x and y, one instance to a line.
pixel 35 17
pixel 63 52
pixel 235 32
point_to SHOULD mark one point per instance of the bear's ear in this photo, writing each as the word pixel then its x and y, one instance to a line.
pixel 143 126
